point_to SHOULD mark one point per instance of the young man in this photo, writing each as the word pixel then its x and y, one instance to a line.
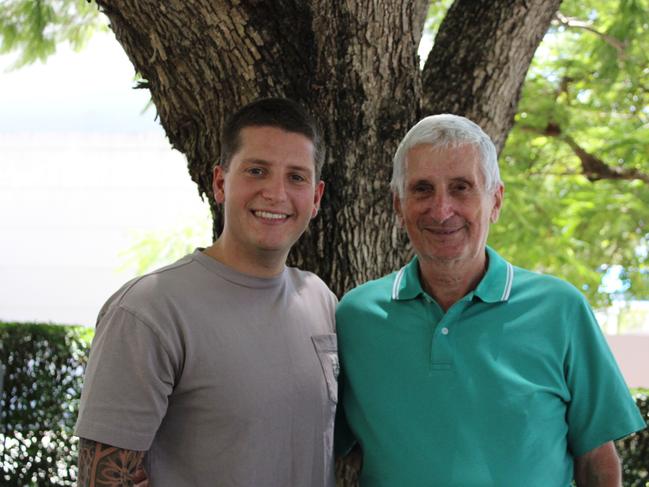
pixel 461 369
pixel 220 369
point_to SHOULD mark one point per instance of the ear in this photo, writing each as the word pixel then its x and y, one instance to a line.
pixel 317 198
pixel 396 203
pixel 218 184
pixel 498 203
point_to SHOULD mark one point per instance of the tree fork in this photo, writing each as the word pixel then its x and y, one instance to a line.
pixel 354 65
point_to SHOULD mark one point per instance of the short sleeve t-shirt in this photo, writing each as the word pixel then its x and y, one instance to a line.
pixel 223 378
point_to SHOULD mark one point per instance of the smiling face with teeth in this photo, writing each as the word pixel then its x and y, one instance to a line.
pixel 445 208
pixel 269 193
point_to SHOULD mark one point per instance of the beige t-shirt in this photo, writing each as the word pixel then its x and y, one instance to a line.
pixel 223 378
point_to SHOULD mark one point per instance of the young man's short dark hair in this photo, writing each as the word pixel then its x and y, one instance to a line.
pixel 270 112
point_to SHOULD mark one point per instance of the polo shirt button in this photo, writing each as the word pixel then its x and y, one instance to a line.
pixel 444 331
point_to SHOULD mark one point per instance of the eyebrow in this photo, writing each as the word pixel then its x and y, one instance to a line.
pixel 423 181
pixel 462 179
pixel 416 182
pixel 457 178
pixel 253 160
pixel 264 162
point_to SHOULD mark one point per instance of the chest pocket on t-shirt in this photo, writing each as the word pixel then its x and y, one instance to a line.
pixel 327 349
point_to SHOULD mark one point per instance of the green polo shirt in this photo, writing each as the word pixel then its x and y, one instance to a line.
pixel 503 389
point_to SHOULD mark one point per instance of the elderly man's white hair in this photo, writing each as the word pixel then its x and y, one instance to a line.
pixel 443 131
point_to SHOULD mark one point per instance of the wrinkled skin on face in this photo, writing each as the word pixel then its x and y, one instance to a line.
pixel 446 209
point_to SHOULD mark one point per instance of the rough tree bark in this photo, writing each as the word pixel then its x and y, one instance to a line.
pixel 354 64
pixel 480 58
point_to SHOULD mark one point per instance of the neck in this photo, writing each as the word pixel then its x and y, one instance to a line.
pixel 448 281
pixel 262 264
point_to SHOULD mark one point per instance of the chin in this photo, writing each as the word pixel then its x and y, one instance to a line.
pixel 446 251
pixel 275 246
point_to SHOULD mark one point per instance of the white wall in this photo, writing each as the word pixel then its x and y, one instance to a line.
pixel 82 171
pixel 70 204
pixel 632 355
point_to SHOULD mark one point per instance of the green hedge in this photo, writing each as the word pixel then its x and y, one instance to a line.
pixel 42 385
pixel 634 450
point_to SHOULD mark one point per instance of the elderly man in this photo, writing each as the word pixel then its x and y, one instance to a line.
pixel 461 369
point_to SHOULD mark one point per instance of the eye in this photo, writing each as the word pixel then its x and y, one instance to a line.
pixel 460 187
pixel 255 171
pixel 297 178
pixel 422 189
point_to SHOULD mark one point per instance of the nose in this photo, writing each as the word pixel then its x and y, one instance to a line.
pixel 274 189
pixel 441 207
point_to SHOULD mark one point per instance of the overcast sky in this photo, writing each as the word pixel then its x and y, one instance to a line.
pixel 90 90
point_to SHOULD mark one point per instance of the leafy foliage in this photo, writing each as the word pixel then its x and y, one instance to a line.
pixel 33 28
pixel 436 12
pixel 39 402
pixel 157 248
pixel 634 449
pixel 573 207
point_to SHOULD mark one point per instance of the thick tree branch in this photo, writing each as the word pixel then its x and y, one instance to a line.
pixel 595 169
pixel 574 23
pixel 591 166
pixel 480 58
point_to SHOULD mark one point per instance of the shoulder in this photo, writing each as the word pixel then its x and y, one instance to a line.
pixel 376 288
pixel 310 285
pixel 316 301
pixel 545 286
pixel 555 301
pixel 366 295
pixel 151 289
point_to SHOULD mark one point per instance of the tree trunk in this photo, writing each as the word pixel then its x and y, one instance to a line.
pixel 480 58
pixel 354 65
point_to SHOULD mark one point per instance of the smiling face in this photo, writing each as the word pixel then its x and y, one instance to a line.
pixel 445 208
pixel 269 193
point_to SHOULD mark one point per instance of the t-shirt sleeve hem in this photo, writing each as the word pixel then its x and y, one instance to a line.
pixel 109 435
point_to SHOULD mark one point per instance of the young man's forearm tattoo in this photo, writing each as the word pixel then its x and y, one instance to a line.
pixel 106 466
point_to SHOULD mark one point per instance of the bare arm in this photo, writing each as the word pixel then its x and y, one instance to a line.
pixel 348 468
pixel 599 467
pixel 103 465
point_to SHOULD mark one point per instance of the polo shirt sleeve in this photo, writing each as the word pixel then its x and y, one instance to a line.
pixel 129 376
pixel 601 408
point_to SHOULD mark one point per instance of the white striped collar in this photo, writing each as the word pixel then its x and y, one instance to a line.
pixel 495 286
pixel 397 283
pixel 497 283
pixel 508 282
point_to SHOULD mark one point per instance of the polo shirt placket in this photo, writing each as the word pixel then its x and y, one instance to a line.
pixel 496 286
